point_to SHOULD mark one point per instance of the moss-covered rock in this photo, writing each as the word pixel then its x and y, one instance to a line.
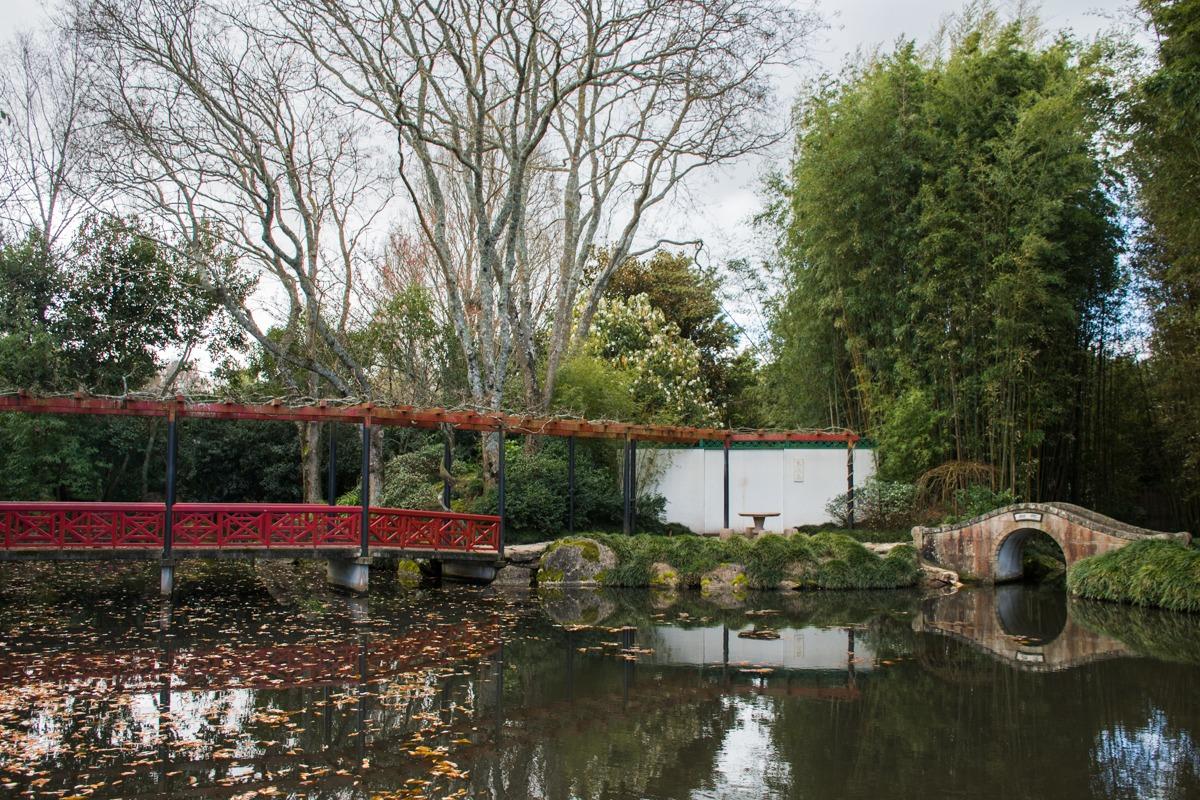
pixel 663 576
pixel 725 581
pixel 575 561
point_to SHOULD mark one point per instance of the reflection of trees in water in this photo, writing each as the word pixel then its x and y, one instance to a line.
pixel 1155 759
pixel 1020 735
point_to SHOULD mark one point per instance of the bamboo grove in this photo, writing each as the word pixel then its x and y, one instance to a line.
pixel 957 235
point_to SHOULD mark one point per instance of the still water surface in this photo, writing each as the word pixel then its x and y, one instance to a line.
pixel 468 692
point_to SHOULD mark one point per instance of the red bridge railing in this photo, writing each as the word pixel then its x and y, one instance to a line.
pixel 239 526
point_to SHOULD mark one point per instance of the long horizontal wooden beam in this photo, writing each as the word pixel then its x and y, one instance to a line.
pixel 402 416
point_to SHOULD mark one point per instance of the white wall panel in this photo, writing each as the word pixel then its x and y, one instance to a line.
pixel 796 482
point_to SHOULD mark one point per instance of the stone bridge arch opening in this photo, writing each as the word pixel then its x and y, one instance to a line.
pixel 1012 550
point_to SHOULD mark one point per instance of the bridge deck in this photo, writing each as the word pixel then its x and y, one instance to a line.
pixel 137 530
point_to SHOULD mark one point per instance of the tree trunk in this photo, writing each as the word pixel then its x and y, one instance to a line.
pixel 310 461
pixel 376 467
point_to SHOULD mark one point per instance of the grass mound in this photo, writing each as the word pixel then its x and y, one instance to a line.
pixel 822 561
pixel 1148 573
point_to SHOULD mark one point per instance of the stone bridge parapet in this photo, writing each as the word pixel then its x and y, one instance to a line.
pixel 988 548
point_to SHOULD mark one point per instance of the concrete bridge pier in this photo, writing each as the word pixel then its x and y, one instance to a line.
pixel 166 580
pixel 469 571
pixel 350 574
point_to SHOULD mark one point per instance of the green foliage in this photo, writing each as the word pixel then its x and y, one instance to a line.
pixel 689 297
pixel 877 504
pixel 662 366
pixel 414 479
pixel 1042 559
pixel 98 315
pixel 1146 573
pixel 950 263
pixel 823 561
pixel 908 440
pixel 234 461
pixel 591 387
pixel 977 500
pixel 1163 120
pixel 536 500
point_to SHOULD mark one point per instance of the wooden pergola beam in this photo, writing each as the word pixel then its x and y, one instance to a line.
pixel 404 416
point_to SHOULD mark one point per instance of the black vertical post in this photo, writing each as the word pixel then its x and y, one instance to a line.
pixel 365 490
pixel 500 488
pixel 849 484
pixel 625 488
pixel 169 505
pixel 447 462
pixel 633 485
pixel 331 467
pixel 570 484
pixel 850 656
pixel 725 481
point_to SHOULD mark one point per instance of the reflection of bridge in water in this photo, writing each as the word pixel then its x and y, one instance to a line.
pixel 1027 627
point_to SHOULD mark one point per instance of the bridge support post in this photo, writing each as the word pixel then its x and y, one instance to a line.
pixel 633 485
pixel 331 467
pixel 469 571
pixel 350 574
pixel 166 579
pixel 447 463
pixel 500 490
pixel 625 489
pixel 849 484
pixel 725 484
pixel 365 492
pixel 169 492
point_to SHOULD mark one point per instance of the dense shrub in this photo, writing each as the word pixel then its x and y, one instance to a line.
pixel 1147 573
pixel 413 480
pixel 536 492
pixel 877 504
pixel 828 560
pixel 977 500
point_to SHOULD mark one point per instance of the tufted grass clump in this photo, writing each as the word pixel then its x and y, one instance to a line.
pixel 1155 573
pixel 821 561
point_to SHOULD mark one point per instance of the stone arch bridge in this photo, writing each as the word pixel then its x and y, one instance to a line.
pixel 989 548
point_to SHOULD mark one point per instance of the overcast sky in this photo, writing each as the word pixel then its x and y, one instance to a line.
pixel 720 205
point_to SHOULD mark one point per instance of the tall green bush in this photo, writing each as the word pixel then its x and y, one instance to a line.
pixel 877 504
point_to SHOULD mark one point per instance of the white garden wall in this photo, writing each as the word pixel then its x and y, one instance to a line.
pixel 796 482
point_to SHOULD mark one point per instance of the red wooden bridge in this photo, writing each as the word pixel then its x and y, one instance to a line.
pixel 139 530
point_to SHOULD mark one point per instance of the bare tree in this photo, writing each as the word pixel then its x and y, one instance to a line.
pixel 219 131
pixel 498 106
pixel 45 184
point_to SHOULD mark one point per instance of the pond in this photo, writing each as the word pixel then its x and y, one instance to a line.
pixel 232 691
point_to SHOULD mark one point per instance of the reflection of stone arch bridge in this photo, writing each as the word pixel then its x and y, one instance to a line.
pixel 1000 625
pixel 988 548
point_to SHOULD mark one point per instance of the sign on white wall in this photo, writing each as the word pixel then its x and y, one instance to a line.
pixel 798 469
